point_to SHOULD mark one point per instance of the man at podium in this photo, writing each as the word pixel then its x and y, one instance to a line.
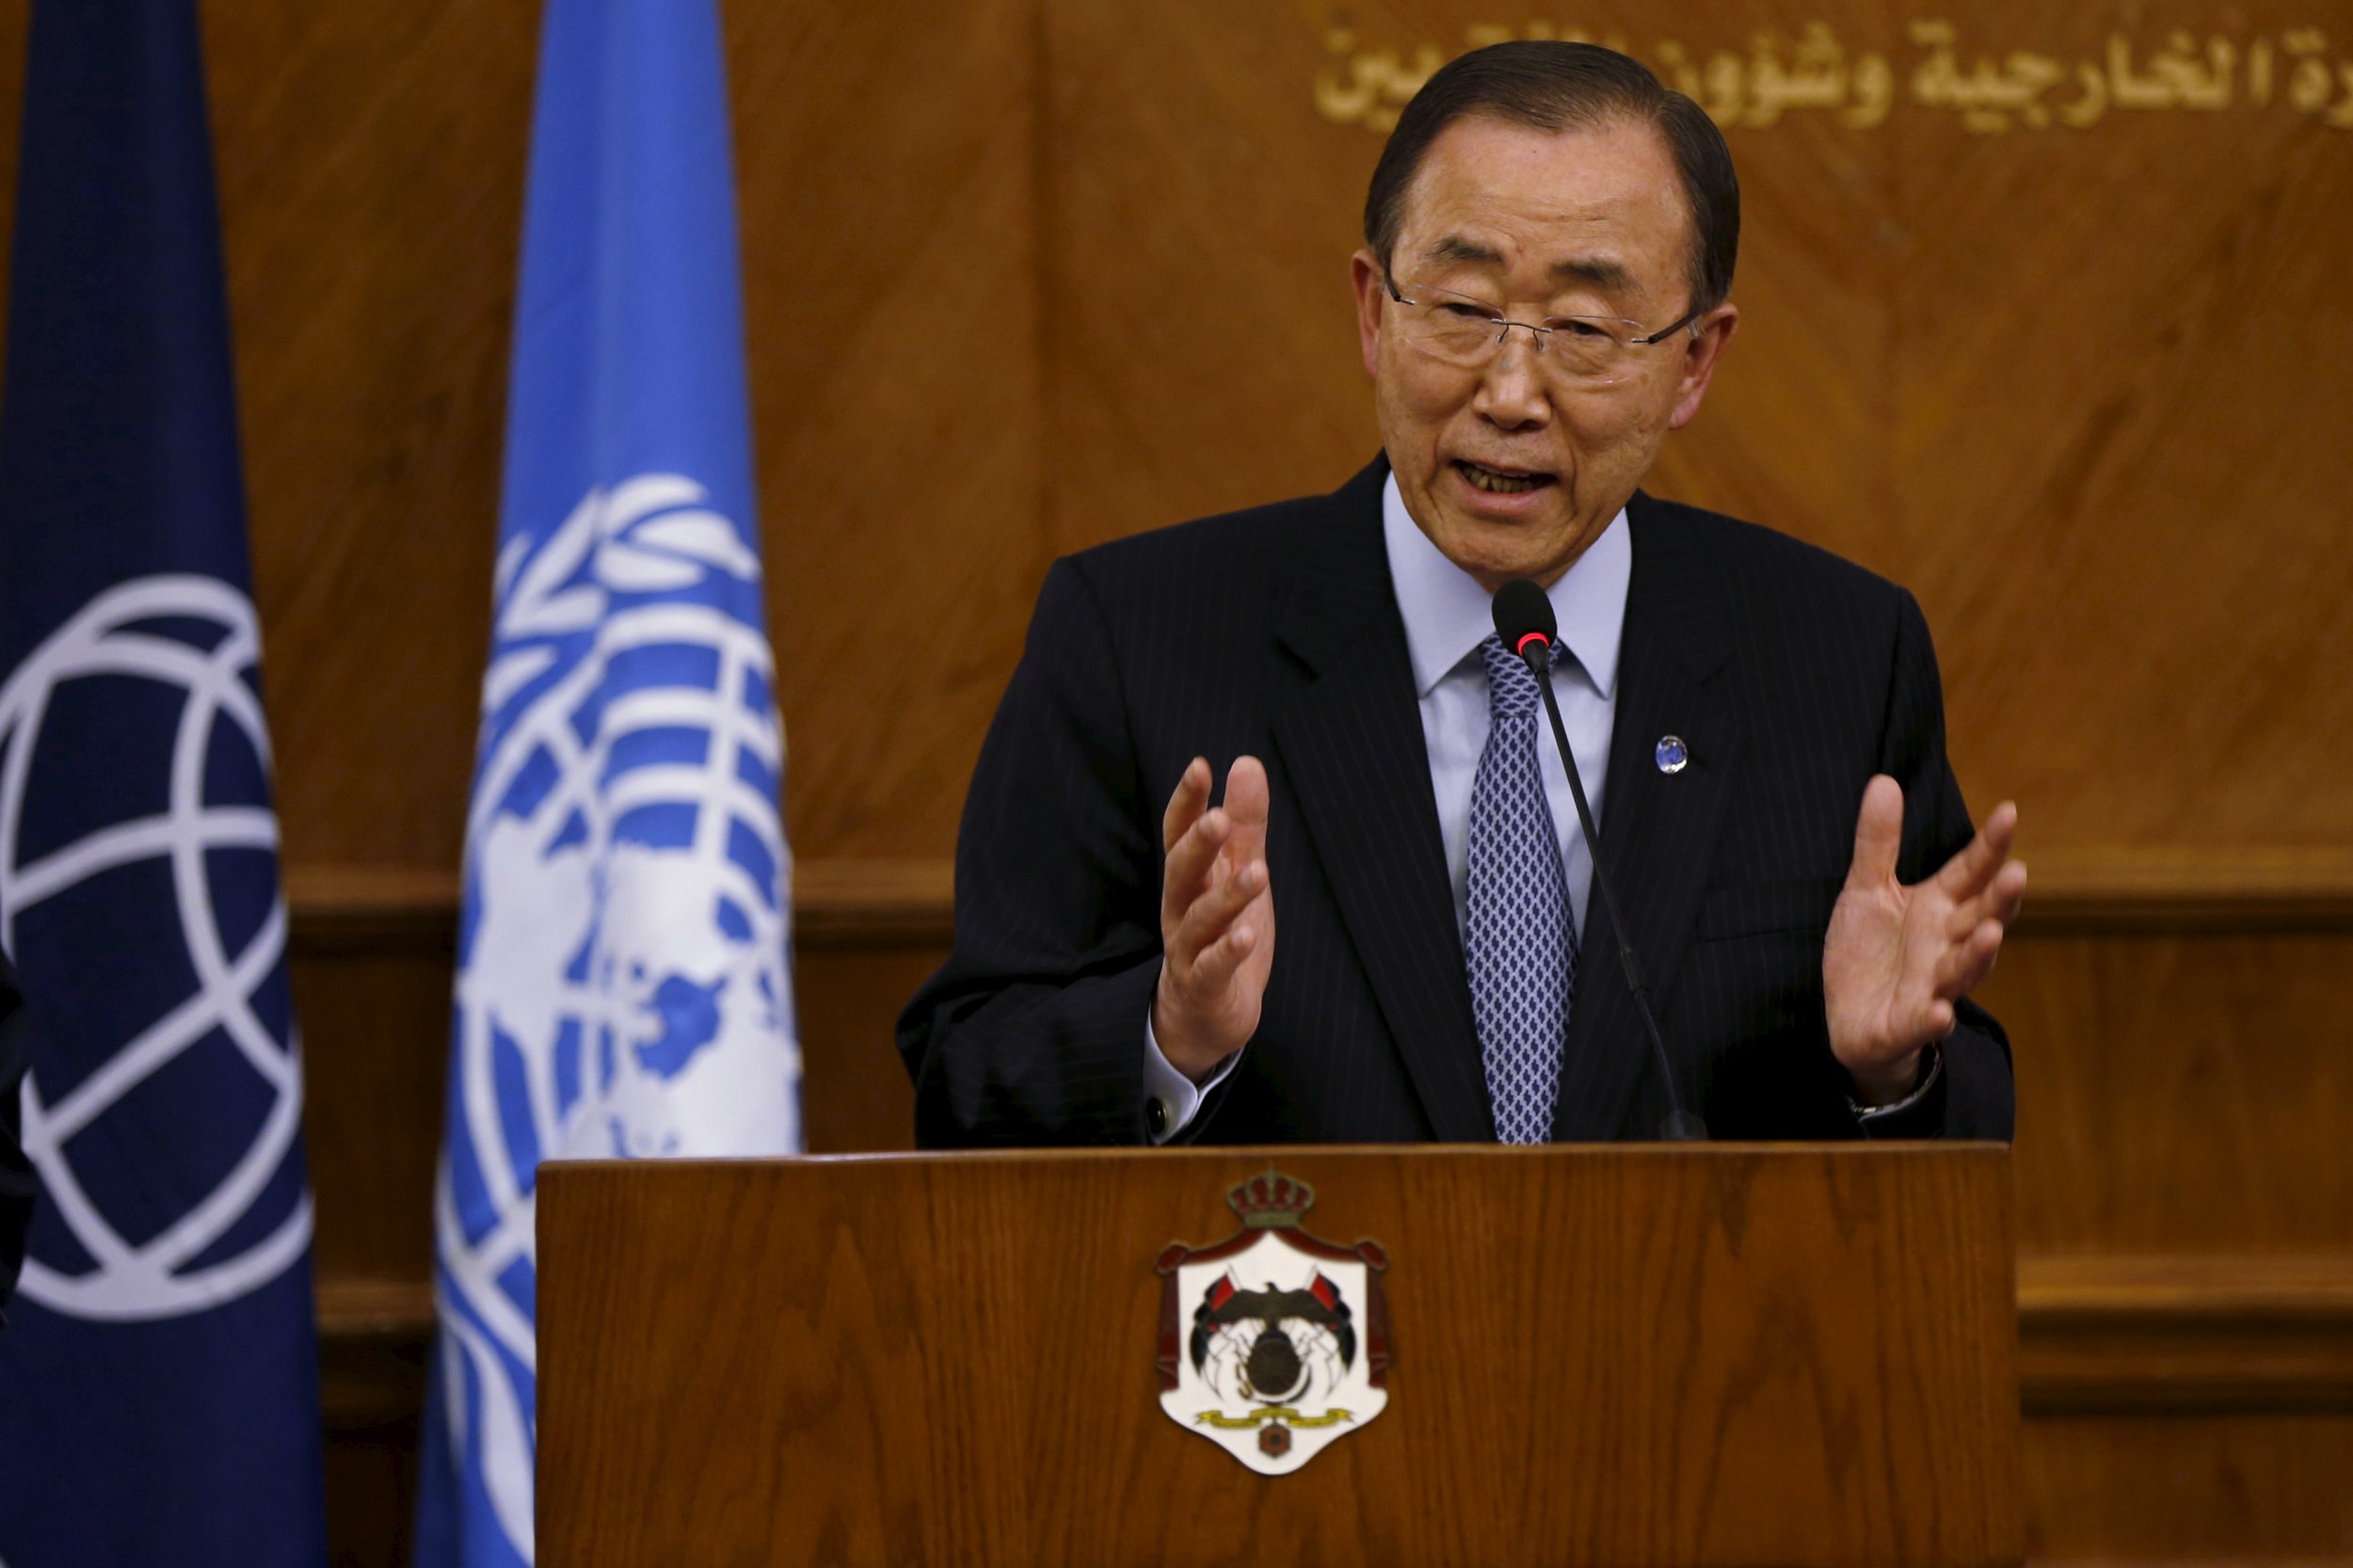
pixel 1390 926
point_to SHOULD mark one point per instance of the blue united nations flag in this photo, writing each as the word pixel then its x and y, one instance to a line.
pixel 623 984
pixel 159 1372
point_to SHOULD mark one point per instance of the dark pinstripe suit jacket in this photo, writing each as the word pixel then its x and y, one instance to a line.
pixel 1792 675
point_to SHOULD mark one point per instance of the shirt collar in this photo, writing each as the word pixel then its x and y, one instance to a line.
pixel 1448 614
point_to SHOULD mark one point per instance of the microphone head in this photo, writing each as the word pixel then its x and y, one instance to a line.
pixel 1522 613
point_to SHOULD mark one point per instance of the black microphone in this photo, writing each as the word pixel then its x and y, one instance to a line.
pixel 1524 620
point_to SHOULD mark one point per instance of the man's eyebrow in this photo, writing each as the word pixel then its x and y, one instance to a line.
pixel 1600 271
pixel 1603 272
pixel 1454 248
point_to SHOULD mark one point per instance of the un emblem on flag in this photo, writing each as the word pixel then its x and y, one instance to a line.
pixel 623 986
pixel 138 893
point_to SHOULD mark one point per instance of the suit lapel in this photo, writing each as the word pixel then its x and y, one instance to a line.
pixel 1352 745
pixel 1658 830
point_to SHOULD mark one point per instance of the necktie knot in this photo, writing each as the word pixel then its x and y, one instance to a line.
pixel 1511 692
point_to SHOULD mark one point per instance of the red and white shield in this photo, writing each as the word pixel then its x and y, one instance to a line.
pixel 1274 1343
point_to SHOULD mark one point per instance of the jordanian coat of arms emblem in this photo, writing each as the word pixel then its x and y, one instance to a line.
pixel 1274 1343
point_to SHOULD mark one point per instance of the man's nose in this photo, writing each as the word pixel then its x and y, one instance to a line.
pixel 1512 387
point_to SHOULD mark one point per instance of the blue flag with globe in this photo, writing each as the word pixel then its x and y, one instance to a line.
pixel 624 986
pixel 159 1370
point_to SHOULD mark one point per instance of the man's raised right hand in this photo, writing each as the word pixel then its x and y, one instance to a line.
pixel 1217 918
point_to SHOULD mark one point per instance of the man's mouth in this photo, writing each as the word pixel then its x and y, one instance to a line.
pixel 1500 481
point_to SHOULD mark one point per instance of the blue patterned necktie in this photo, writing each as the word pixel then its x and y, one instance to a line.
pixel 1521 943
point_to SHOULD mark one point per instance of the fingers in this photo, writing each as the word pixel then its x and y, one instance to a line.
pixel 1878 833
pixel 1966 963
pixel 1217 916
pixel 1205 921
pixel 1188 851
pixel 1246 803
pixel 1216 964
pixel 1185 803
pixel 1215 855
pixel 1967 874
pixel 1999 899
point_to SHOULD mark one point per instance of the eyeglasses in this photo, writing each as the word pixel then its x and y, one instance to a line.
pixel 1463 330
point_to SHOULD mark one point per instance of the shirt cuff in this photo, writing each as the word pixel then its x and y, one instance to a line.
pixel 1171 1100
pixel 1873 1115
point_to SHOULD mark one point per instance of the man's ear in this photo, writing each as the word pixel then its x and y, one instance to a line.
pixel 1366 276
pixel 1701 352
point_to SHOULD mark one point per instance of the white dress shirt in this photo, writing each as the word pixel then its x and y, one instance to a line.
pixel 1446 616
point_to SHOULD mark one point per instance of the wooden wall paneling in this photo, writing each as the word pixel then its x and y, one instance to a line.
pixel 2181 1093
pixel 2223 1333
pixel 886 158
pixel 1793 431
pixel 375 1046
pixel 371 174
pixel 2163 1489
pixel 371 1497
pixel 2124 490
pixel 856 1094
pixel 1201 346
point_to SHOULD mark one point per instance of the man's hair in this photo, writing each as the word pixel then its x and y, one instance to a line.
pixel 1551 85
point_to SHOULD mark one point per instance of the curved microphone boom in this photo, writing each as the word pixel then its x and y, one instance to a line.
pixel 1524 620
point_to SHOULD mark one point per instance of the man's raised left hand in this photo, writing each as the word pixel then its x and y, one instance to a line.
pixel 1898 958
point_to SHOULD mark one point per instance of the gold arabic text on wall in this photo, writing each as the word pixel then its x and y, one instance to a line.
pixel 1997 91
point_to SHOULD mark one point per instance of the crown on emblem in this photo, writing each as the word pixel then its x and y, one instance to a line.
pixel 1268 1201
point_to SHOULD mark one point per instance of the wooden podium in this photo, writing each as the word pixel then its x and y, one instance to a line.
pixel 1737 1355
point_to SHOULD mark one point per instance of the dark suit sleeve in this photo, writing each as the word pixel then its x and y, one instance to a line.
pixel 16 1175
pixel 1033 1032
pixel 1975 1098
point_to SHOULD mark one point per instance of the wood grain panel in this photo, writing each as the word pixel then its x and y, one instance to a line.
pixel 2225 1333
pixel 1727 1408
pixel 2167 1489
pixel 371 164
pixel 891 227
pixel 2098 1335
pixel 2085 1463
pixel 2181 1093
pixel 1202 348
pixel 375 1047
pixel 2126 495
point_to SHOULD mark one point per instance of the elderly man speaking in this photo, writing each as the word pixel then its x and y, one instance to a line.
pixel 1389 927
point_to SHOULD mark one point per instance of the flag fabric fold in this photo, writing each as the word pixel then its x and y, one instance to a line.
pixel 624 982
pixel 159 1370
